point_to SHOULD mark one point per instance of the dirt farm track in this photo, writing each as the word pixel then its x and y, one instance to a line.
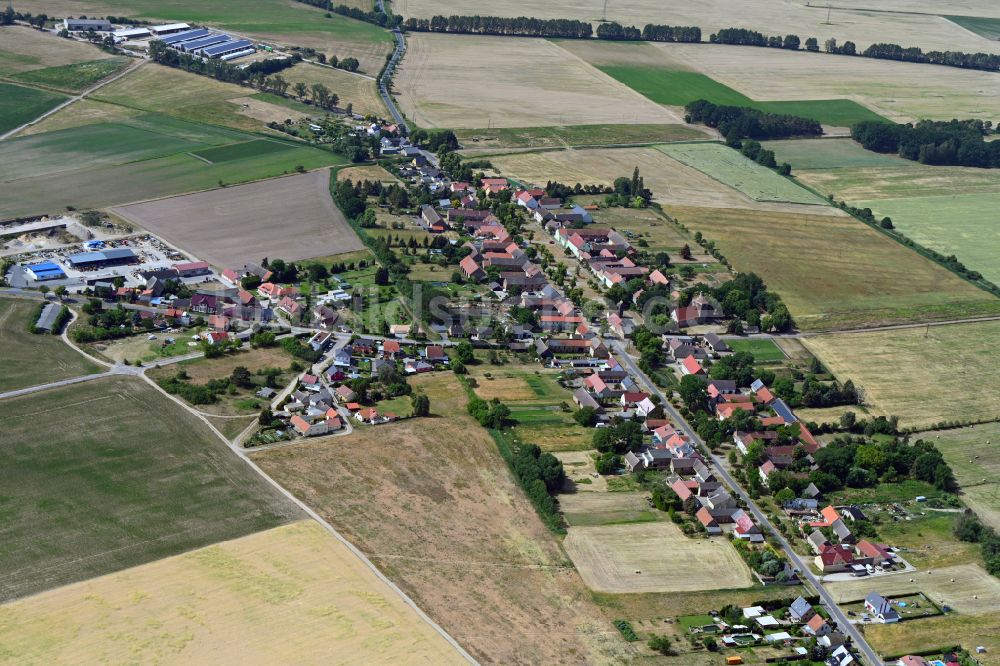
pixel 290 218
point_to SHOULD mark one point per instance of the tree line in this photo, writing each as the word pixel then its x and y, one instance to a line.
pixel 951 142
pixel 371 16
pixel 521 26
pixel 650 33
pixel 253 74
pixel 740 122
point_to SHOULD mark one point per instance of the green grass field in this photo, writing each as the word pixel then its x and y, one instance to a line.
pixel 29 359
pixel 974 456
pixel 835 272
pixel 104 164
pixel 962 225
pixel 828 154
pixel 731 168
pixel 238 151
pixel 985 27
pixel 18 104
pixel 76 77
pixel 578 135
pixel 111 474
pixel 678 88
pixel 763 350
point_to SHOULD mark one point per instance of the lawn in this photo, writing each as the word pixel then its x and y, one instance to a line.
pixel 122 477
pixel 906 372
pixel 75 77
pixel 763 349
pixel 434 506
pixel 574 135
pixel 29 359
pixel 19 105
pixel 904 491
pixel 975 459
pixel 731 168
pixel 956 224
pixel 835 272
pixel 679 88
pixel 268 596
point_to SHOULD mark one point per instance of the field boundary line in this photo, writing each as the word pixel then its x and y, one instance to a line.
pixel 319 519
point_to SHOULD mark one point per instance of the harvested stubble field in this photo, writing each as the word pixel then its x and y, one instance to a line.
pixel 974 591
pixel 484 139
pixel 899 91
pixel 968 631
pixel 974 455
pixel 670 181
pixel 906 372
pixel 896 180
pixel 469 81
pixel 441 515
pixel 739 172
pixel 827 287
pixel 293 594
pixel 360 91
pixel 292 218
pixel 110 474
pixel 29 359
pixel 609 556
pixel 923 29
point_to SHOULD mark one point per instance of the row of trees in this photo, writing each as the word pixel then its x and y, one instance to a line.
pixel 745 37
pixel 740 122
pixel 650 33
pixel 521 26
pixel 952 142
pixel 253 74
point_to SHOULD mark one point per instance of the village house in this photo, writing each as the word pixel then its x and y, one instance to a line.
pixel 880 609
pixel 800 610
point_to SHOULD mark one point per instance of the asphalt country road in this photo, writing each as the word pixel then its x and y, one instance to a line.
pixel 836 614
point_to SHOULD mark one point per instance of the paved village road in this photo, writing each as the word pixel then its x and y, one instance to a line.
pixel 838 615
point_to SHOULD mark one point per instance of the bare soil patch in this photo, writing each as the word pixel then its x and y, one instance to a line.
pixel 292 218
pixel 472 81
pixel 643 558
pixel 285 595
pixel 431 502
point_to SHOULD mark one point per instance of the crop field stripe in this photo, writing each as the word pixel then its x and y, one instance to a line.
pixel 237 151
pixel 20 104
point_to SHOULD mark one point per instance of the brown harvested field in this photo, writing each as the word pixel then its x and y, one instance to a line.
pixel 898 90
pixel 439 512
pixel 836 272
pixel 292 218
pixel 473 81
pixel 355 89
pixel 24 49
pixel 969 631
pixel 609 556
pixel 974 591
pixel 293 594
pixel 670 181
pixel 773 17
pixel 265 112
pixel 920 375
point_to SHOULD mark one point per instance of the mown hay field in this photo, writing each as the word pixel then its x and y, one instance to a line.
pixel 360 91
pixel 462 81
pixel 231 226
pixel 109 474
pixel 643 557
pixel 973 592
pixel 739 172
pixel 292 594
pixel 24 49
pixel 438 511
pixel 922 28
pixel 922 375
pixel 29 359
pixel 587 508
pixel 824 154
pixel 672 182
pixel 974 455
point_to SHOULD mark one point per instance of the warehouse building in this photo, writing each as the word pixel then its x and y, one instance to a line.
pixel 229 50
pixel 131 33
pixel 185 36
pixel 46 270
pixel 47 317
pixel 169 28
pixel 103 259
pixel 203 42
pixel 83 25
